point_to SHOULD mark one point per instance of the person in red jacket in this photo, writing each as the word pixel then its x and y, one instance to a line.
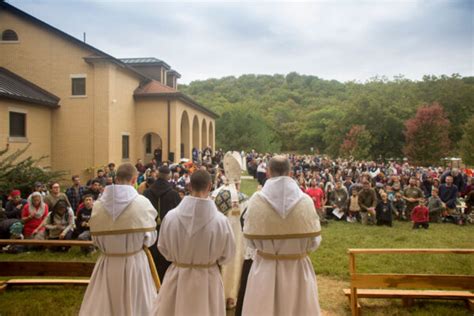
pixel 33 214
pixel 420 215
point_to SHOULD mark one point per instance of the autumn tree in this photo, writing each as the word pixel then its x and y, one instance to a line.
pixel 427 135
pixel 466 145
pixel 357 143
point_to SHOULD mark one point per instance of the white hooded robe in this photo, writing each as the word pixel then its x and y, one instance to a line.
pixel 282 287
pixel 122 222
pixel 194 233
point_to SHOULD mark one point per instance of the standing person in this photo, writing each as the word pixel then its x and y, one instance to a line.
pixel 75 192
pixel 261 171
pixel 317 195
pixel 231 202
pixel 122 226
pixel 435 206
pixel 163 198
pixel 283 226
pixel 55 195
pixel 196 237
pixel 367 201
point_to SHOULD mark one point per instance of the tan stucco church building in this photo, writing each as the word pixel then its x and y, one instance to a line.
pixel 84 108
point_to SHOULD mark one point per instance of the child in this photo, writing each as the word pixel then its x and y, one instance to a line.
pixel 420 215
pixel 399 206
pixel 435 206
pixel 354 207
pixel 383 211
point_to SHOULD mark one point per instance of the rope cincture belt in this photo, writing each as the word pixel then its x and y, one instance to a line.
pixel 271 256
pixel 196 266
pixel 125 254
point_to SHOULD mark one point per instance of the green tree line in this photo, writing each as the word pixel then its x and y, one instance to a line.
pixel 297 112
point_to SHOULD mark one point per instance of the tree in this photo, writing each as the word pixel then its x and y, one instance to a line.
pixel 357 143
pixel 466 145
pixel 240 129
pixel 21 173
pixel 427 135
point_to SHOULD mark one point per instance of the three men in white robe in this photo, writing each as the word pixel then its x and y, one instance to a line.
pixel 281 225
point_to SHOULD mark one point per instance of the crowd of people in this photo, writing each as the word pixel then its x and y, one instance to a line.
pixel 368 192
pixel 378 193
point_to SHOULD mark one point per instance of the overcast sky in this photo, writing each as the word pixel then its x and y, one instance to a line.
pixel 342 40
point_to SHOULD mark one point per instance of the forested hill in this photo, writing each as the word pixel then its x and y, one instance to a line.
pixel 296 112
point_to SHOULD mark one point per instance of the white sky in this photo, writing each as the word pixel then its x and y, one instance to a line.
pixel 339 39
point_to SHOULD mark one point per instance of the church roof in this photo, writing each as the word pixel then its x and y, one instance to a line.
pixel 155 89
pixel 144 61
pixel 15 87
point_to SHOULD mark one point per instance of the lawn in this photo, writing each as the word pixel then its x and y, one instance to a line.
pixel 330 262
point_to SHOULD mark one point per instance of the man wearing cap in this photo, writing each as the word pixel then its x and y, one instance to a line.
pixel 283 226
pixel 163 198
pixel 14 205
pixel 232 203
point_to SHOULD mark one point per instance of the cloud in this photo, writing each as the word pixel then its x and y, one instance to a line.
pixel 343 40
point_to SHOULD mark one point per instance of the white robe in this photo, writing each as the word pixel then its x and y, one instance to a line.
pixel 282 287
pixel 121 285
pixel 194 233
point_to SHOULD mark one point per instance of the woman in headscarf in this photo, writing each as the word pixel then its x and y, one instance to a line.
pixel 33 214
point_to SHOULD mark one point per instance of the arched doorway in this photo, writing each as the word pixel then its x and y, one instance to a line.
pixel 185 141
pixel 153 147
pixel 211 136
pixel 204 134
pixel 196 133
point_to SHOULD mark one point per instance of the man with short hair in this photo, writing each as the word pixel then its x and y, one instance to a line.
pixel 82 221
pixel 122 226
pixel 75 192
pixel 448 193
pixel 94 189
pixel 412 194
pixel 163 198
pixel 367 200
pixel 196 237
pixel 283 226
pixel 55 195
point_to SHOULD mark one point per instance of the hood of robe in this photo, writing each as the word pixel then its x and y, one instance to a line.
pixel 195 213
pixel 282 193
pixel 116 198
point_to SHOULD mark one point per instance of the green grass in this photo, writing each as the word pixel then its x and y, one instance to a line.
pixel 330 262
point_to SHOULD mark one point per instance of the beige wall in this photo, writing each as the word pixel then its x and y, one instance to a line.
pixel 192 113
pixel 85 133
pixel 151 117
pixel 38 129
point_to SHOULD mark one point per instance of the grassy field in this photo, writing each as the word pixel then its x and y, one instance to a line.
pixel 330 262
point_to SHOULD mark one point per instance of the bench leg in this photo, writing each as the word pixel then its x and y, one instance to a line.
pixel 470 305
pixel 3 287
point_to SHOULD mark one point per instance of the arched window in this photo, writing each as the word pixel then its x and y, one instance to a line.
pixel 9 35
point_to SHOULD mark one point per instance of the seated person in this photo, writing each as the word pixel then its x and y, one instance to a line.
pixel 60 224
pixel 14 205
pixel 32 215
pixel 82 221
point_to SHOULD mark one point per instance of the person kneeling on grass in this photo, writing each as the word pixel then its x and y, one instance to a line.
pixel 59 224
pixel 384 211
pixel 420 215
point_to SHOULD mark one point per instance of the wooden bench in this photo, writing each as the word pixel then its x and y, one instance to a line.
pixel 408 286
pixel 48 272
